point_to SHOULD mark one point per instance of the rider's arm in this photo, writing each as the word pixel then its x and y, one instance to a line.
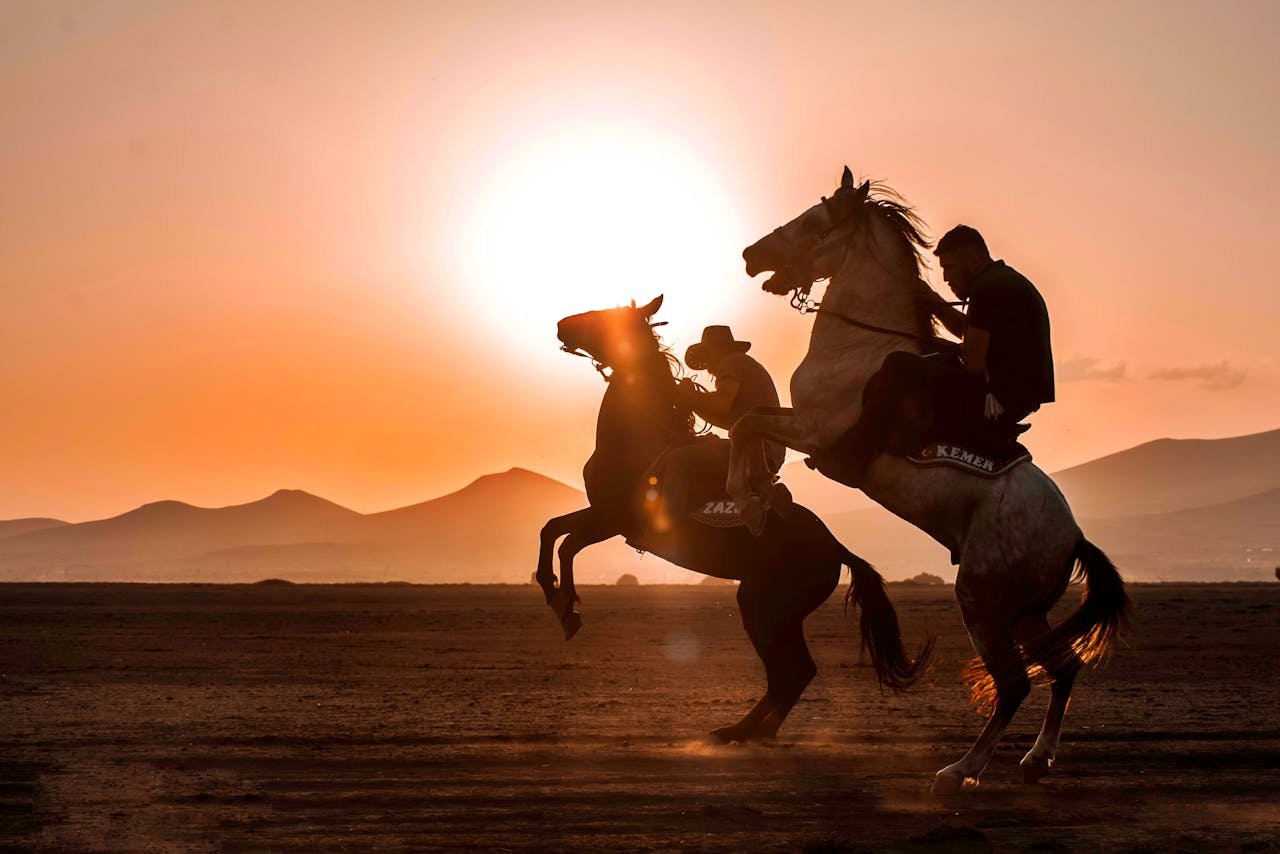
pixel 715 406
pixel 952 318
pixel 973 350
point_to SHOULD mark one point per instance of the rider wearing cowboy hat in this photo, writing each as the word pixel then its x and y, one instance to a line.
pixel 741 383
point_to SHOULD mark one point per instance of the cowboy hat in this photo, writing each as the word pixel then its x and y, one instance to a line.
pixel 715 340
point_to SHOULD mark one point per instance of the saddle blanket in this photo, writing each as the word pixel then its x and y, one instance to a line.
pixel 989 464
pixel 719 512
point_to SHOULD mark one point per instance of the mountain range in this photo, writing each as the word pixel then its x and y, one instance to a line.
pixel 1189 509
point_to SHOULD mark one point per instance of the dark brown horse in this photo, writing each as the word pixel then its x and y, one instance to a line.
pixel 785 574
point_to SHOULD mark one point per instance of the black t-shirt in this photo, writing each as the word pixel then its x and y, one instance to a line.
pixel 1019 357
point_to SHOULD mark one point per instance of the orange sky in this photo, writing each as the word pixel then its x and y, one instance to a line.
pixel 248 246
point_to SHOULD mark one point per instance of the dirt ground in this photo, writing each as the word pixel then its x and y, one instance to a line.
pixel 308 717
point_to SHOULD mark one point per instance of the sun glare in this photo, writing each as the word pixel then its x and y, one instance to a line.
pixel 592 217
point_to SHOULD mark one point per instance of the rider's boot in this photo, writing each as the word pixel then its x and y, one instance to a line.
pixel 781 500
pixel 752 512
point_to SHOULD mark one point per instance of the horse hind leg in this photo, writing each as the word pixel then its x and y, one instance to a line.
pixel 1009 685
pixel 1043 753
pixel 776 629
pixel 789 668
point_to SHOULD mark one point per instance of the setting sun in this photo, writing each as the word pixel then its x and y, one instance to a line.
pixel 595 215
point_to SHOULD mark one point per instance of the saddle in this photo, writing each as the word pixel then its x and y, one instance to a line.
pixel 988 449
pixel 706 503
pixel 989 462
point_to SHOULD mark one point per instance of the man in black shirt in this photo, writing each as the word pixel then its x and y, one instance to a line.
pixel 1006 333
pixel 1005 371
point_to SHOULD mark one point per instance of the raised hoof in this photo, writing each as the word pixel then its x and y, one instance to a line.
pixel 571 623
pixel 1033 769
pixel 752 513
pixel 949 782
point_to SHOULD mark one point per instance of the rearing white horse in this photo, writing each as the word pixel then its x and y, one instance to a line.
pixel 1014 535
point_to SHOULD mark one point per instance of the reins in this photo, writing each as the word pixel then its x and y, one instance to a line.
pixel 595 363
pixel 870 327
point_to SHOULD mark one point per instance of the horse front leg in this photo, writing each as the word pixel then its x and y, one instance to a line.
pixel 591 529
pixel 555 528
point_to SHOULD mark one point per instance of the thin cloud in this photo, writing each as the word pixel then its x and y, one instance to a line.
pixel 1082 368
pixel 1219 376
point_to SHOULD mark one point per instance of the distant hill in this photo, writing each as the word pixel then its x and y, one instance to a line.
pixel 515 497
pixel 13 527
pixel 171 529
pixel 1176 509
pixel 1173 474
pixel 1237 540
pixel 485 532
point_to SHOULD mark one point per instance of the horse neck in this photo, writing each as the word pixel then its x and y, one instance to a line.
pixel 632 412
pixel 878 284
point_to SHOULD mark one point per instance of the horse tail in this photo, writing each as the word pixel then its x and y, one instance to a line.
pixel 881 638
pixel 1090 634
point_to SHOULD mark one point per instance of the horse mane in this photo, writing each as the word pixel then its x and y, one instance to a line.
pixel 669 364
pixel 906 224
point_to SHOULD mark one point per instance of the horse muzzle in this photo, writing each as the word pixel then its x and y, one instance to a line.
pixel 756 257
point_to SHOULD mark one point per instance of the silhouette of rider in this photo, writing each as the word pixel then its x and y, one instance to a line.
pixel 1004 372
pixel 741 383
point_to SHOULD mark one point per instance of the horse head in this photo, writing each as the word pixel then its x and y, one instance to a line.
pixel 809 247
pixel 612 337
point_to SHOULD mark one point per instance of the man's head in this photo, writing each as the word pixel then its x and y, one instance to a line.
pixel 962 254
pixel 717 342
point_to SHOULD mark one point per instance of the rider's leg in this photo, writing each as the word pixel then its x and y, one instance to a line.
pixel 847 460
pixel 780 499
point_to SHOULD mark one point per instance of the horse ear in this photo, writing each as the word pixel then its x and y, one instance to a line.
pixel 865 189
pixel 650 309
pixel 633 303
pixel 846 179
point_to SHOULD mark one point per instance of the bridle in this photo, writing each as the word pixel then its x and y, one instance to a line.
pixel 600 366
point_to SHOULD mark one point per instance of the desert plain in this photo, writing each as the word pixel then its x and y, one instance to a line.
pixel 306 717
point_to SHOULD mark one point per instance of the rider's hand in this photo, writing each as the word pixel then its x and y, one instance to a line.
pixel 992 408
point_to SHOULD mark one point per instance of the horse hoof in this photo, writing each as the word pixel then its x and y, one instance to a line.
pixel 1033 769
pixel 949 782
pixel 571 623
pixel 726 735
